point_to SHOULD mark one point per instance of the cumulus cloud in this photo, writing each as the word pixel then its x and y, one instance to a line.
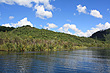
pixel 41 13
pixel 20 23
pixel 6 25
pixel 78 32
pixel 97 28
pixel 50 25
pixel 26 3
pixel 96 13
pixel 60 29
pixel 81 8
pixel 103 26
pixel 11 17
pixel 43 4
pixel 49 7
pixel 66 28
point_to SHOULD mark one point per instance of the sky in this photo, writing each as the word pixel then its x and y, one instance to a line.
pixel 75 17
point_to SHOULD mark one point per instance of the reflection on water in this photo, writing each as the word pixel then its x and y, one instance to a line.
pixel 83 61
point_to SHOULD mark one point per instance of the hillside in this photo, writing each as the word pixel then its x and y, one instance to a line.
pixel 103 35
pixel 28 38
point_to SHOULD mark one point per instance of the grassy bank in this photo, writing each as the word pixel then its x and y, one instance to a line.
pixel 28 38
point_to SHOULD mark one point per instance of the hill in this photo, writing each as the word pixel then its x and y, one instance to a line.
pixel 103 35
pixel 28 38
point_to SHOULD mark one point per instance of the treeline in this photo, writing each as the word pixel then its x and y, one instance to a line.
pixel 4 29
pixel 103 35
pixel 28 38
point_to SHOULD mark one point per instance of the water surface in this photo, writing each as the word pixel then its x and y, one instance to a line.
pixel 78 61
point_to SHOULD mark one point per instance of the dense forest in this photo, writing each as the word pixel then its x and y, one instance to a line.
pixel 28 38
pixel 103 35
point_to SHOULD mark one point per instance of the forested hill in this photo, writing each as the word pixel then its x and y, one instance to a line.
pixel 28 38
pixel 4 29
pixel 103 35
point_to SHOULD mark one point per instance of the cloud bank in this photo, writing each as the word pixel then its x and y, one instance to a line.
pixel 66 27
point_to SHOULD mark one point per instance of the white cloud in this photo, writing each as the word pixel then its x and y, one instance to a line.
pixel 43 4
pixel 93 30
pixel 11 17
pixel 49 7
pixel 60 29
pixel 20 23
pixel 81 8
pixel 50 25
pixel 103 26
pixel 96 13
pixel 41 13
pixel 46 27
pixel 78 32
pixel 26 3
pixel 98 28
pixel 6 25
pixel 66 28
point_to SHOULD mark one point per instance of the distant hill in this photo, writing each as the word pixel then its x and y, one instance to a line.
pixel 103 35
pixel 29 38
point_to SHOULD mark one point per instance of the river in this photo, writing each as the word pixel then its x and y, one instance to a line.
pixel 76 61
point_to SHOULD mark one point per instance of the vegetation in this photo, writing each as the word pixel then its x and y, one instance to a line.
pixel 4 29
pixel 28 38
pixel 103 35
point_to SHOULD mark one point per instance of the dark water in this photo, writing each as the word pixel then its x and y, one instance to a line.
pixel 77 61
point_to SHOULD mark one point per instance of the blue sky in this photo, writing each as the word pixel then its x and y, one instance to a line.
pixel 76 17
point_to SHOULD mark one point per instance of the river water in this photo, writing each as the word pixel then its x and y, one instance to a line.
pixel 76 61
